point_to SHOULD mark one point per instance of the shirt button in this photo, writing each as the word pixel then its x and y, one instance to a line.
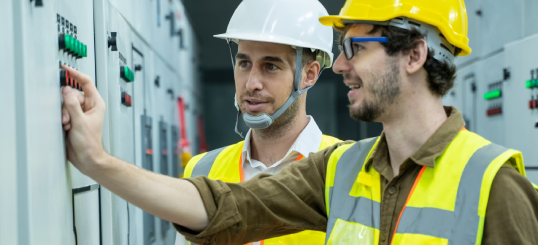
pixel 392 190
pixel 383 237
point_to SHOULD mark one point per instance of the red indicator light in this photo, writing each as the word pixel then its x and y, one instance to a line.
pixel 149 152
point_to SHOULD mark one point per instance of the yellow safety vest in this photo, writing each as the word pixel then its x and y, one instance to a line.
pixel 447 204
pixel 226 164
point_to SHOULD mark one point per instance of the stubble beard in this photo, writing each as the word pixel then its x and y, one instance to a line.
pixel 384 88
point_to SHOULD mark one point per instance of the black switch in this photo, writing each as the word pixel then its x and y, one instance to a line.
pixel 64 78
pixel 112 41
pixel 39 3
pixel 158 81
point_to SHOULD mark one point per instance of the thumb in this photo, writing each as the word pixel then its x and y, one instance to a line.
pixel 72 103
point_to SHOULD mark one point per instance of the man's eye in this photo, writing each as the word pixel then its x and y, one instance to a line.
pixel 357 48
pixel 272 67
pixel 243 64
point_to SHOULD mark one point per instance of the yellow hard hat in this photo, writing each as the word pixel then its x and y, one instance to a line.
pixel 449 16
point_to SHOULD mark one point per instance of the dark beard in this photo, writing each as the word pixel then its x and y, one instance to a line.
pixel 282 124
pixel 385 88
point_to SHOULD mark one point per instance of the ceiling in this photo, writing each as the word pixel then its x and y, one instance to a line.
pixel 210 17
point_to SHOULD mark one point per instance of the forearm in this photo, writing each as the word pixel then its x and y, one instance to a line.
pixel 171 199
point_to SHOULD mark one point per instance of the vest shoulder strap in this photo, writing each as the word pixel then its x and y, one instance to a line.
pixel 327 141
pixel 201 164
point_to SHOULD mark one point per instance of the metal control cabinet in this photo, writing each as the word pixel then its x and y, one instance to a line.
pixel 56 204
pixel 142 229
pixel 521 92
pixel 8 149
pixel 490 110
pixel 512 23
pixel 164 78
pixel 120 76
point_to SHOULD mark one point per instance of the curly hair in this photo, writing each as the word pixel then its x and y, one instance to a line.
pixel 441 75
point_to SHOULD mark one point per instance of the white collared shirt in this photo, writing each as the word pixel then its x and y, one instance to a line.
pixel 308 142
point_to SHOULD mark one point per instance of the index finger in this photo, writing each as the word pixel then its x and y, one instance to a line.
pixel 86 82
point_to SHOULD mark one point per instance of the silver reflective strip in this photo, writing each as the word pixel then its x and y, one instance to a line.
pixel 366 206
pixel 347 169
pixel 203 167
pixel 460 226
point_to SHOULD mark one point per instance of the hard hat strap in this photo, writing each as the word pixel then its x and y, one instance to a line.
pixel 231 52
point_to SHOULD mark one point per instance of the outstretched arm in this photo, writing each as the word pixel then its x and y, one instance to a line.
pixel 168 198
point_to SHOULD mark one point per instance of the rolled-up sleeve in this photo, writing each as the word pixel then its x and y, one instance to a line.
pixel 265 206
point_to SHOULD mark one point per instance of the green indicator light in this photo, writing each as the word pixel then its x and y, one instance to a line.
pixel 84 51
pixel 529 84
pixel 492 94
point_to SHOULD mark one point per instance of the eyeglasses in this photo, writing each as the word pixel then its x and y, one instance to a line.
pixel 347 45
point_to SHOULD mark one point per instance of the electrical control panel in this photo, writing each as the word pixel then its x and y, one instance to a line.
pixel 163 77
pixel 120 79
pixel 60 204
pixel 8 205
pixel 520 92
pixel 489 99
pixel 116 43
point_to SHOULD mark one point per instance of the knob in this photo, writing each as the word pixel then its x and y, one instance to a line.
pixel 112 41
pixel 157 81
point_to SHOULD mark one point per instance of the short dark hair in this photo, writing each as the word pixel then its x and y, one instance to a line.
pixel 441 75
pixel 308 56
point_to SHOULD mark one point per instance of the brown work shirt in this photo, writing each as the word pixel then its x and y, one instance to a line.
pixel 294 200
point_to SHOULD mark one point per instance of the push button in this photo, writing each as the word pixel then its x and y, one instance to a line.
pixel 126 99
pixel 64 78
pixel 126 74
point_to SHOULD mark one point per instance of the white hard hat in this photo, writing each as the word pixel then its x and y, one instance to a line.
pixel 290 22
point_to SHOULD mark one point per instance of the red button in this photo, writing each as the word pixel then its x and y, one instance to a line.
pixel 126 99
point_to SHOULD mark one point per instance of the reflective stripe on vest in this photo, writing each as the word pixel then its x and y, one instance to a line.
pixel 226 164
pixel 438 211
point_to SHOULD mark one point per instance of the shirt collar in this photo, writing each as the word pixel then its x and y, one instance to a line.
pixel 308 142
pixel 434 146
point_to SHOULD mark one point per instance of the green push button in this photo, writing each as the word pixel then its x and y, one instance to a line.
pixel 532 83
pixel 84 51
pixel 492 94
pixel 67 41
pixel 126 74
pixel 73 45
pixel 80 50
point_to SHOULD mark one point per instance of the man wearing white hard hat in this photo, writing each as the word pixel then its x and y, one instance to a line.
pixel 275 65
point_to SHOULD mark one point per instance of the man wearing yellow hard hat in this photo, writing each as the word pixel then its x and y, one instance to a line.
pixel 425 180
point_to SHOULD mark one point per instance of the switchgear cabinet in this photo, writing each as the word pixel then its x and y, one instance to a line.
pixel 8 149
pixel 521 93
pixel 46 36
pixel 162 95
